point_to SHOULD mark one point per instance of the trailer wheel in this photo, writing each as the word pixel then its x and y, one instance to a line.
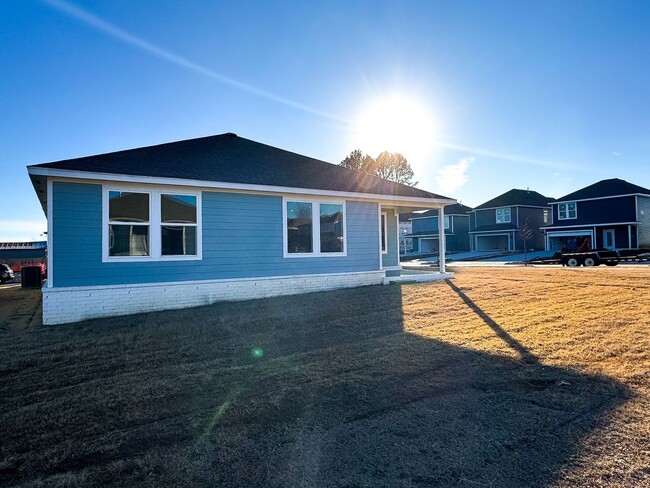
pixel 589 261
pixel 572 262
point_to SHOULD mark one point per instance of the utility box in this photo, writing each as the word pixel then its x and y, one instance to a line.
pixel 30 277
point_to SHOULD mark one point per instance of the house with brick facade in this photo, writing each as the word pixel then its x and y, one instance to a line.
pixel 192 222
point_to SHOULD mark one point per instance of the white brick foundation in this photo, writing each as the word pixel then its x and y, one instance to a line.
pixel 63 305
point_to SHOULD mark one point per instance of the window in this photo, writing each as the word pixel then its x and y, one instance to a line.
pixel 300 232
pixel 503 215
pixel 128 229
pixel 151 225
pixel 384 234
pixel 331 227
pixel 545 215
pixel 178 225
pixel 447 221
pixel 303 236
pixel 567 211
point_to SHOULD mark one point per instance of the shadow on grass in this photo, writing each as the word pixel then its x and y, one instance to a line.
pixel 315 390
pixel 525 354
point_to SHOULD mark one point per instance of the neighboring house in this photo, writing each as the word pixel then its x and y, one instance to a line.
pixel 610 214
pixel 19 254
pixel 216 218
pixel 425 234
pixel 496 224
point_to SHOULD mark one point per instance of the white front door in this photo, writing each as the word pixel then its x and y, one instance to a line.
pixel 608 239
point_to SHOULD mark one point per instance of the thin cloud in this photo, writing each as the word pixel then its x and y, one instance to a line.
pixel 453 176
pixel 124 36
pixel 512 157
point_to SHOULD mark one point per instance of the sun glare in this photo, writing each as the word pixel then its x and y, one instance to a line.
pixel 396 124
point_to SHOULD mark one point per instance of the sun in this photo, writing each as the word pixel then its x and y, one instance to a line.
pixel 395 123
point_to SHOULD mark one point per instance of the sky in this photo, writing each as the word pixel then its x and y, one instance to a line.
pixel 479 96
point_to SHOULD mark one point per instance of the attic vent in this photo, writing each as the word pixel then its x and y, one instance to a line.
pixel 231 134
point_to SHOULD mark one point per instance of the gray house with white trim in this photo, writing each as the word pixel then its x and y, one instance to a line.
pixel 215 218
pixel 496 224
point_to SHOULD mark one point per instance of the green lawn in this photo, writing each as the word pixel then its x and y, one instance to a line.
pixel 503 377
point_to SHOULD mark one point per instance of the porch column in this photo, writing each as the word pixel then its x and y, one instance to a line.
pixel 442 241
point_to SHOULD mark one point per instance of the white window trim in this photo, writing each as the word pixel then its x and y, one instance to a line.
pixel 504 221
pixel 384 219
pixel 566 207
pixel 155 224
pixel 315 218
pixel 447 222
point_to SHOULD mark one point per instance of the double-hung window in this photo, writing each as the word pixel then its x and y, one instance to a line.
pixel 178 224
pixel 314 228
pixel 567 211
pixel 447 222
pixel 151 225
pixel 503 215
pixel 129 223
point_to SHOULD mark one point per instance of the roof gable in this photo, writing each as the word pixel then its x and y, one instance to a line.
pixel 229 158
pixel 605 188
pixel 517 197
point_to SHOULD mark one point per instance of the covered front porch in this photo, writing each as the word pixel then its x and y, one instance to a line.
pixel 389 246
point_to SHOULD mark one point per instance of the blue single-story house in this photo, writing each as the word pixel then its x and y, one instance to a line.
pixel 215 218
pixel 609 214
pixel 425 233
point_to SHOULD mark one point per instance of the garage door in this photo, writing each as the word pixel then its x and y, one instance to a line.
pixel 570 240
pixel 497 242
pixel 428 245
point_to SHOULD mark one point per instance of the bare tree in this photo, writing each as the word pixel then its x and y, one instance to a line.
pixel 390 166
pixel 359 161
pixel 526 234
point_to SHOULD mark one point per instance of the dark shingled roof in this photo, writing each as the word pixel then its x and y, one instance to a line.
pixel 605 188
pixel 229 158
pixel 455 209
pixel 517 197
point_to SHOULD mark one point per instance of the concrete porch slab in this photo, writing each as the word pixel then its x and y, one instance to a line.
pixel 417 277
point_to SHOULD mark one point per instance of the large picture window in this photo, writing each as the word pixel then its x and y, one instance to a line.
pixel 151 225
pixel 503 215
pixel 567 211
pixel 306 237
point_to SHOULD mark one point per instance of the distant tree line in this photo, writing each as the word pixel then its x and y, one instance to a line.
pixel 390 166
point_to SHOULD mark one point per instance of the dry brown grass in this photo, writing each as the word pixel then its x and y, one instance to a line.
pixel 502 377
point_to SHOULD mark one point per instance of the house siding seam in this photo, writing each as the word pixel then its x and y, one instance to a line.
pixel 73 304
pixel 242 238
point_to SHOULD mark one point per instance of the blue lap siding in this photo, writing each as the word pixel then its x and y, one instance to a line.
pixel 391 258
pixel 242 238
